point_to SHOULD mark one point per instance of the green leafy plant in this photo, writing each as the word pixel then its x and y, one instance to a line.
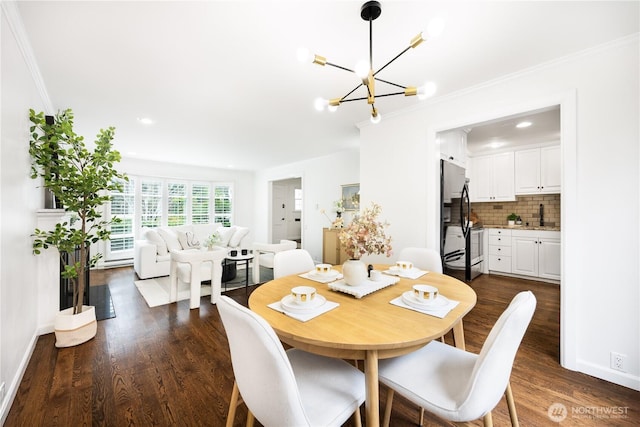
pixel 512 217
pixel 81 181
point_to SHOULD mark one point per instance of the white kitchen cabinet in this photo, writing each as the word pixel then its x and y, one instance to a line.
pixel 453 146
pixel 536 253
pixel 537 170
pixel 492 178
pixel 500 250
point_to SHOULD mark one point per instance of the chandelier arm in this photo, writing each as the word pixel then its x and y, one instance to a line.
pixel 363 98
pixel 340 67
pixel 389 94
pixel 391 83
pixel 396 57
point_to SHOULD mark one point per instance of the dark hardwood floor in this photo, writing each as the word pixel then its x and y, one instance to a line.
pixel 170 366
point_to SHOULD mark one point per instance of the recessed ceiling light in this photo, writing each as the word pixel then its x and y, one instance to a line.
pixel 523 125
pixel 146 120
pixel 495 144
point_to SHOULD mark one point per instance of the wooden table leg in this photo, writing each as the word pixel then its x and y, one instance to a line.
pixel 371 385
pixel 458 335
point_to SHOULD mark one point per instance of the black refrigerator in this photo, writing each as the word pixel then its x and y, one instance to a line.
pixel 461 243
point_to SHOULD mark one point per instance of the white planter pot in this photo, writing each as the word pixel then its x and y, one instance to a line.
pixel 73 329
pixel 354 272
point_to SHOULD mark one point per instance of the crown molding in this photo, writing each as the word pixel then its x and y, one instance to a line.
pixel 10 10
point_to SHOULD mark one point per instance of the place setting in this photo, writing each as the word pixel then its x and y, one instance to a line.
pixel 303 303
pixel 405 269
pixel 322 273
pixel 425 298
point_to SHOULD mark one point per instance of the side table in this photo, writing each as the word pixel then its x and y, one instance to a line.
pixel 195 257
pixel 240 259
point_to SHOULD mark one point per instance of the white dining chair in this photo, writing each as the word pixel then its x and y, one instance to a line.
pixel 290 262
pixel 422 258
pixel 457 385
pixel 286 388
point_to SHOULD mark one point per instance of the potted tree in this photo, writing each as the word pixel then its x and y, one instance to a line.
pixel 81 181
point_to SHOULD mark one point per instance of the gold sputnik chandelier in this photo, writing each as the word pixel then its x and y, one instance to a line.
pixel 369 12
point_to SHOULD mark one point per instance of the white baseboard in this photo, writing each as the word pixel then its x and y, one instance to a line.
pixel 12 390
pixel 605 373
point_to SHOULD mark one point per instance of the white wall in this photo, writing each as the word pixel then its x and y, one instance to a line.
pixel 598 92
pixel 321 181
pixel 19 200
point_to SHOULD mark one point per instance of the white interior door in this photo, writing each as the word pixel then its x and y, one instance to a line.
pixel 278 213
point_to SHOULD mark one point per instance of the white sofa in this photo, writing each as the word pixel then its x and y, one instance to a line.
pixel 152 254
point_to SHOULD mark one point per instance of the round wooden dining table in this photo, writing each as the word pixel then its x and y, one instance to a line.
pixel 368 328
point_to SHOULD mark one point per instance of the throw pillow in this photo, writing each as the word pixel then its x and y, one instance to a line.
pixel 225 234
pixel 154 237
pixel 237 237
pixel 171 238
pixel 188 240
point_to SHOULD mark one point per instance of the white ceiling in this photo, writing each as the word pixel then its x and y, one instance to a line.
pixel 221 79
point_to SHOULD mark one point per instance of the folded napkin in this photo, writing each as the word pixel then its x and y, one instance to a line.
pixel 321 278
pixel 439 311
pixel 369 286
pixel 303 317
pixel 413 273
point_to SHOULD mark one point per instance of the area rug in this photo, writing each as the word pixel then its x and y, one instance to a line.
pixel 156 291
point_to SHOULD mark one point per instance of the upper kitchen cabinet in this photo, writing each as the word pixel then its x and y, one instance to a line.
pixel 453 146
pixel 492 178
pixel 538 170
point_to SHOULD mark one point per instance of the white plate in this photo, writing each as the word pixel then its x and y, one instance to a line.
pixel 291 305
pixel 409 298
pixel 394 269
pixel 330 275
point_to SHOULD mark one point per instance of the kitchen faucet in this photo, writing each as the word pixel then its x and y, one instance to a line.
pixel 541 215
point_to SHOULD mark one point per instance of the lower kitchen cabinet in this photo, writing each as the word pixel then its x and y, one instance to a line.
pixel 500 250
pixel 536 253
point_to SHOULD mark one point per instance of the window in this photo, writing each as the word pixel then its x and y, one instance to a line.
pixel 156 202
pixel 177 204
pixel 222 205
pixel 200 203
pixel 122 234
pixel 151 204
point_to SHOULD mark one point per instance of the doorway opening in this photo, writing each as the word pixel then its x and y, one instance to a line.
pixel 286 210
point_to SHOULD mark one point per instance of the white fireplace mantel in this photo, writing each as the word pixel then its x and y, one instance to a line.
pixel 48 274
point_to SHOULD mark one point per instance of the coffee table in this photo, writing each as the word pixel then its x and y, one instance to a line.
pixel 240 259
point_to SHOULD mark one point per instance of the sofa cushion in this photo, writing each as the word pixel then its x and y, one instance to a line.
pixel 170 237
pixel 156 239
pixel 225 235
pixel 237 237
pixel 203 231
pixel 188 240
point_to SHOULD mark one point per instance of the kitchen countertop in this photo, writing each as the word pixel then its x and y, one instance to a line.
pixel 523 227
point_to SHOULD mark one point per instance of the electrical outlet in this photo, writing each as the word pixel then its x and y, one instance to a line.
pixel 618 361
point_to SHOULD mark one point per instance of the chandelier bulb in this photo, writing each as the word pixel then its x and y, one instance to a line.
pixel 435 27
pixel 304 55
pixel 362 69
pixel 427 90
pixel 375 118
pixel 320 103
